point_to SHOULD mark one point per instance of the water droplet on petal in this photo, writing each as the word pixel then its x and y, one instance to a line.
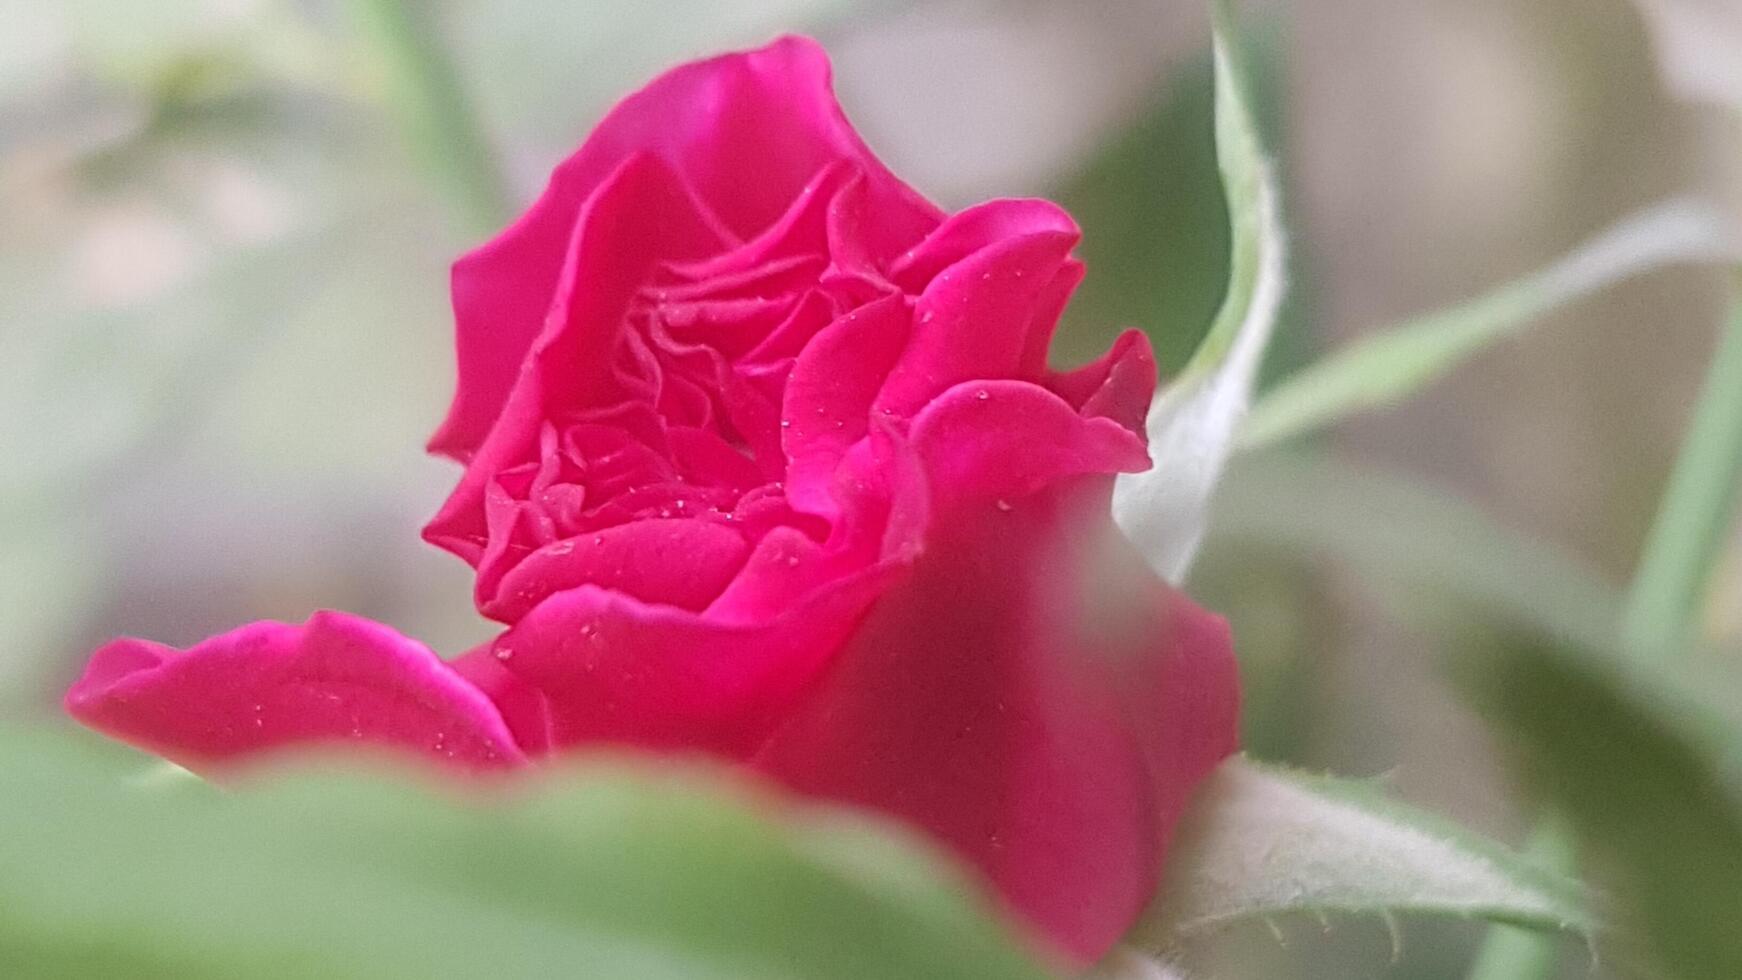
pixel 504 654
pixel 982 394
pixel 1004 505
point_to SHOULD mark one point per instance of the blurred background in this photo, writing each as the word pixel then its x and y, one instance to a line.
pixel 225 227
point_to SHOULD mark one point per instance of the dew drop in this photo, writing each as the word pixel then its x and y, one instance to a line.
pixel 1004 505
pixel 982 395
pixel 504 654
pixel 786 423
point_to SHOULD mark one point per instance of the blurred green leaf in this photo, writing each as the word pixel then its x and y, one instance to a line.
pixel 1192 422
pixel 1444 554
pixel 1391 364
pixel 1155 229
pixel 1260 841
pixel 613 868
pixel 1396 530
pixel 1687 538
pixel 1609 750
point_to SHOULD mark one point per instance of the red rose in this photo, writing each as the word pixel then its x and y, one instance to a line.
pixel 763 458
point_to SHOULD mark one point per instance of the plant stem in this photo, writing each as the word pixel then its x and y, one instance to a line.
pixel 1661 615
pixel 1663 607
pixel 1512 953
pixel 424 93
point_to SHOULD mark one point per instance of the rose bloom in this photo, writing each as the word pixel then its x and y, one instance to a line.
pixel 763 459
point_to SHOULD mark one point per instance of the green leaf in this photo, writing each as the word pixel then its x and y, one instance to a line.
pixel 1611 750
pixel 1395 530
pixel 612 868
pixel 1670 584
pixel 1192 422
pixel 1261 841
pixel 1408 539
pixel 1389 365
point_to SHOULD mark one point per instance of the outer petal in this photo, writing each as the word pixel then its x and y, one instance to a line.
pixel 746 131
pixel 1031 693
pixel 270 685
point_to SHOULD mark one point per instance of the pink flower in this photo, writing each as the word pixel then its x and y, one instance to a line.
pixel 763 458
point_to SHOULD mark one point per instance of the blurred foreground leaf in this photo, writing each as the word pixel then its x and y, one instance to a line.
pixel 1609 750
pixel 606 869
pixel 1192 422
pixel 1261 841
pixel 1387 366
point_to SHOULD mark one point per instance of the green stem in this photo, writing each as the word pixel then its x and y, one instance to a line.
pixel 1663 608
pixel 436 120
pixel 1661 615
pixel 1513 953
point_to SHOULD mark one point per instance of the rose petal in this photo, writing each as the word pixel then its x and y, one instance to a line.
pixel 524 709
pixel 272 685
pixel 616 669
pixel 639 216
pixel 972 229
pixel 800 230
pixel 679 562
pixel 746 131
pixel 974 319
pixel 1117 386
pixel 999 440
pixel 827 406
pixel 1037 699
